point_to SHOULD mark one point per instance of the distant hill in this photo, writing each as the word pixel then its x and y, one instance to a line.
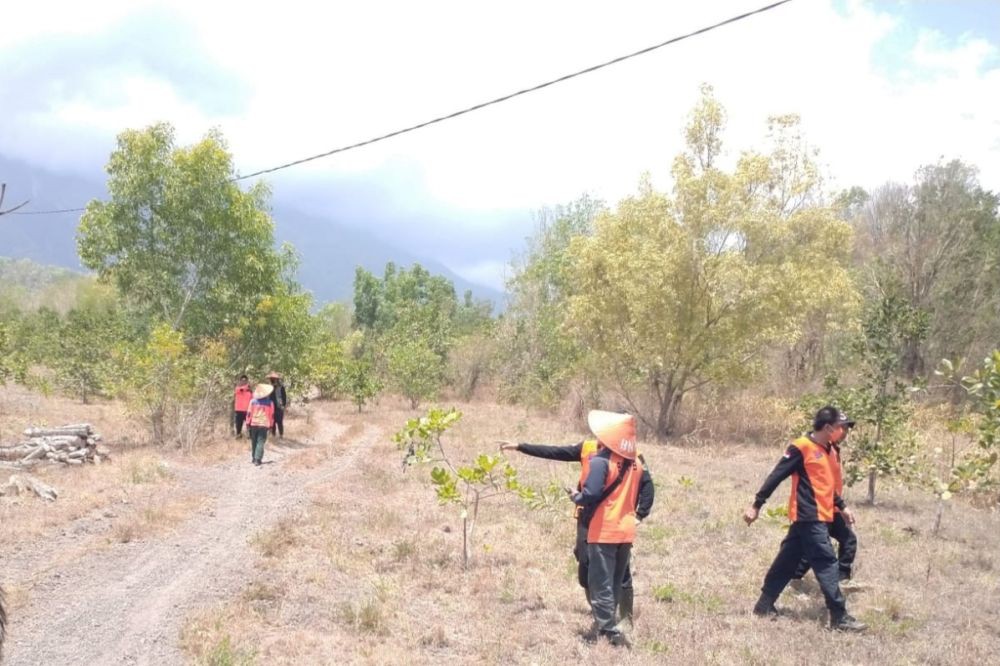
pixel 329 250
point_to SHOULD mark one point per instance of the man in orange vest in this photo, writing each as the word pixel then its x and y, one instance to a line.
pixel 811 508
pixel 840 529
pixel 582 453
pixel 609 499
pixel 242 396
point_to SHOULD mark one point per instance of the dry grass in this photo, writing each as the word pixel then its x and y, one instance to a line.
pixel 153 517
pixel 372 571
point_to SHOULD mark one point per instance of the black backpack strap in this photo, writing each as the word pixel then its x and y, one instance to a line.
pixel 626 468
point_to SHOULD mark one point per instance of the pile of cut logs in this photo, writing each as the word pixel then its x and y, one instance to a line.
pixel 71 445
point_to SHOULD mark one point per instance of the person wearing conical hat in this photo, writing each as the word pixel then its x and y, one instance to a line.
pixel 260 419
pixel 609 499
pixel 280 399
pixel 582 452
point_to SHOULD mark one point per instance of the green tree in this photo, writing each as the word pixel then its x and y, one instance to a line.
pixel 672 293
pixel 537 357
pixel 182 242
pixel 938 236
pixel 416 370
pixel 883 442
pixel 86 342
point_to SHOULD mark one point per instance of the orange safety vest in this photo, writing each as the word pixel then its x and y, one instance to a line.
pixel 261 414
pixel 822 470
pixel 614 519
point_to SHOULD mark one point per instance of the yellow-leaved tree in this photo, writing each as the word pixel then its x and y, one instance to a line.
pixel 674 291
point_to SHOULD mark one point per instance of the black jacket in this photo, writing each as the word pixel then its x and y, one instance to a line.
pixel 572 453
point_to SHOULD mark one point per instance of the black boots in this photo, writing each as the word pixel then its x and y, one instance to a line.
pixel 847 623
pixel 765 606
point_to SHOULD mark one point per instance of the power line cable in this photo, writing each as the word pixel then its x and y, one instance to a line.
pixel 481 105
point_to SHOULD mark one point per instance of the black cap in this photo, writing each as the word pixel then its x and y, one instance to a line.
pixel 830 415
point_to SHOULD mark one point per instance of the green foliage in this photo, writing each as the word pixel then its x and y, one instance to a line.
pixel 938 237
pixel 358 380
pixel 416 370
pixel 179 239
pixel 977 470
pixel 672 292
pixel 537 359
pixel 171 384
pixel 467 486
pixel 84 365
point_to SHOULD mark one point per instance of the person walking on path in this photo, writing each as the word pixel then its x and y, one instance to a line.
pixel 609 499
pixel 840 529
pixel 280 404
pixel 811 507
pixel 242 396
pixel 582 453
pixel 260 419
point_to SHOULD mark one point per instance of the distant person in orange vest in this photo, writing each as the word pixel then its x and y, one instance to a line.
pixel 582 453
pixel 809 460
pixel 840 529
pixel 260 419
pixel 280 404
pixel 609 498
pixel 242 396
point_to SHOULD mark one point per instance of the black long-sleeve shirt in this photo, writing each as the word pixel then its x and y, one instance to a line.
pixel 571 453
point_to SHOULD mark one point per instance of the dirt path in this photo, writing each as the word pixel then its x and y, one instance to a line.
pixel 126 604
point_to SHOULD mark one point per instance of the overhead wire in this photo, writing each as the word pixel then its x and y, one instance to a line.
pixel 480 105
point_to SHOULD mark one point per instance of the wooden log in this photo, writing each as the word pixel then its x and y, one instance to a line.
pixel 81 453
pixel 23 483
pixel 75 431
pixel 37 453
pixel 15 452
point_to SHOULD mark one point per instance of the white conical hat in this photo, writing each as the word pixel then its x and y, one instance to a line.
pixel 262 391
pixel 615 431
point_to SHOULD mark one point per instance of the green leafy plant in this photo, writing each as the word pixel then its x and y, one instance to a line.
pixel 466 486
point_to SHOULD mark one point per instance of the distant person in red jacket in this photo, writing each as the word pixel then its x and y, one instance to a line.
pixel 241 403
pixel 260 419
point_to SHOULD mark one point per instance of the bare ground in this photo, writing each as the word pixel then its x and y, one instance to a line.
pixel 335 555
pixel 125 604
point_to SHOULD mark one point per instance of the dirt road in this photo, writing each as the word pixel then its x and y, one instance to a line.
pixel 126 604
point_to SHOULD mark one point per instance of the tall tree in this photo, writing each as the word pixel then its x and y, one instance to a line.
pixel 673 292
pixel 938 236
pixel 180 240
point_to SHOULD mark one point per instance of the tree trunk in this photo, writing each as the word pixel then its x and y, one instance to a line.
pixel 666 418
pixel 871 486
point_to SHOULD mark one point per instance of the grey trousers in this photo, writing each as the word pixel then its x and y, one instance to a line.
pixel 606 572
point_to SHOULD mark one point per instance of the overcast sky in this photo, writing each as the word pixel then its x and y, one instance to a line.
pixel 882 88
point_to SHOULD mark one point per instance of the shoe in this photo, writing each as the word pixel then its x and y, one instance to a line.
pixel 848 623
pixel 765 607
pixel 256 462
pixel 617 639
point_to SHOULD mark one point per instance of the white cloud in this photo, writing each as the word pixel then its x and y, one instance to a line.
pixel 326 74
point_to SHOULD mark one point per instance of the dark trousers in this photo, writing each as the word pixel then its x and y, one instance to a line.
pixel 279 422
pixel 811 541
pixel 605 573
pixel 582 555
pixel 847 548
pixel 258 436
pixel 239 418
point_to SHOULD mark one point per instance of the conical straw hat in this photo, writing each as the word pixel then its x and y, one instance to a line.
pixel 615 431
pixel 262 391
